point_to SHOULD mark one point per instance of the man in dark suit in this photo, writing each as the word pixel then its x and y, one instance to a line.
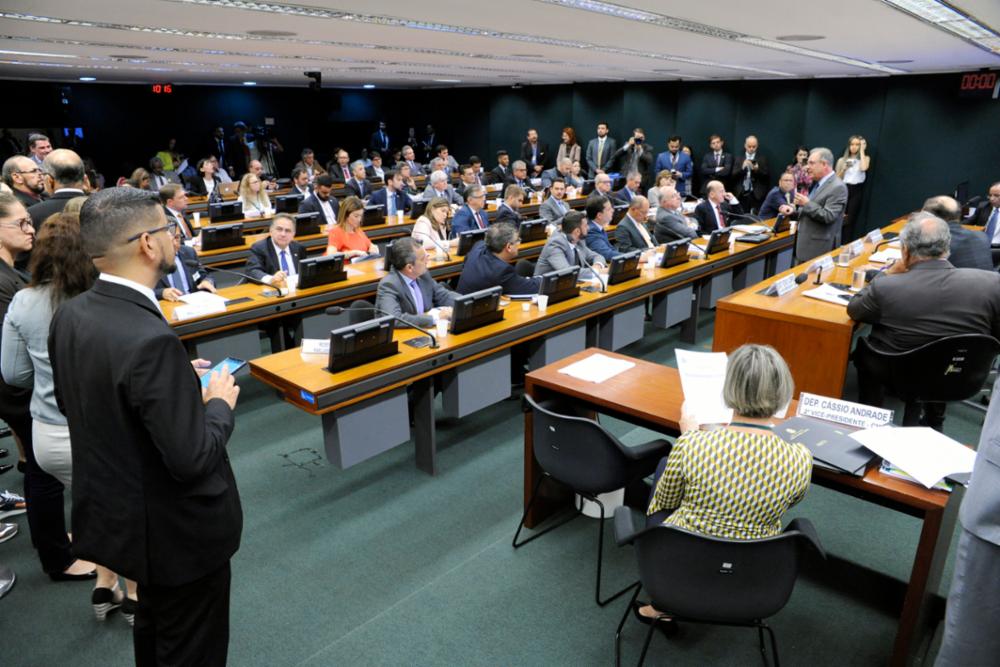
pixel 631 233
pixel 500 172
pixel 599 214
pixel 218 146
pixel 671 223
pixel 713 213
pixel 471 216
pixel 716 164
pixel 409 291
pixel 780 198
pixel 65 172
pixel 519 176
pixel 25 179
pixel 821 212
pixel 750 176
pixel 392 197
pixel 187 274
pixel 340 168
pixel 535 153
pixel 600 150
pixel 411 161
pixel 677 162
pixel 467 179
pixel 968 249
pixel 631 189
pixel 489 264
pixel 175 202
pixel 509 209
pixel 635 155
pixel 358 183
pixel 987 215
pixel 157 502
pixel 919 299
pixel 273 261
pixel 300 182
pixel 376 169
pixel 380 140
pixel 322 200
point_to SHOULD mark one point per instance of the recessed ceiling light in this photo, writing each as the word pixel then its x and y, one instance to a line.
pixel 249 83
pixel 527 55
pixel 945 17
pixel 448 80
pixel 660 69
pixel 368 86
pixel 88 78
pixel 35 53
pixel 893 62
pixel 799 38
pixel 271 33
pixel 127 57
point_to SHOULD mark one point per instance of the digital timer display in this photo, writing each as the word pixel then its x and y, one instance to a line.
pixel 980 84
pixel 163 88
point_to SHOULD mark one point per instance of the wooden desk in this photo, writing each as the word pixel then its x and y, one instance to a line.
pixel 813 336
pixel 650 395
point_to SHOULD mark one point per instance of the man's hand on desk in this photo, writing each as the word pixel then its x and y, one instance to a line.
pixel 171 294
pixel 207 286
pixel 444 313
pixel 278 279
pixel 221 385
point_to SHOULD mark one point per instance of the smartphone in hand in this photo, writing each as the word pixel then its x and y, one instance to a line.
pixel 232 363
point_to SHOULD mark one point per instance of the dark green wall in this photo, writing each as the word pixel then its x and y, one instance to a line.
pixel 923 138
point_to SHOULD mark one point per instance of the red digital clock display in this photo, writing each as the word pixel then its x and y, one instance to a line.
pixel 980 84
pixel 163 88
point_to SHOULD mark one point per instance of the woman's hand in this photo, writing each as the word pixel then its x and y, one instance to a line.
pixel 688 421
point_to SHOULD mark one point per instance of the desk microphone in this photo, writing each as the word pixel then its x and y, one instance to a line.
pixel 604 286
pixel 338 310
pixel 881 243
pixel 211 269
pixel 744 216
pixel 815 266
pixel 436 244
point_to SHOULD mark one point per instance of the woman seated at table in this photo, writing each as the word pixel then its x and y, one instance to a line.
pixel 431 229
pixel 254 198
pixel 664 179
pixel 346 236
pixel 734 482
pixel 206 182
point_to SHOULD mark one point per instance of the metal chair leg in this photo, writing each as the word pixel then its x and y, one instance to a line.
pixel 600 559
pixel 760 644
pixel 534 496
pixel 774 645
pixel 621 624
pixel 645 644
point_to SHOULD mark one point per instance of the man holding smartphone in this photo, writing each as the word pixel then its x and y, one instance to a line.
pixel 635 156
pixel 157 501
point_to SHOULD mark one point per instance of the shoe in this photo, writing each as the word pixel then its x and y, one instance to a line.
pixel 6 580
pixel 22 466
pixel 63 576
pixel 7 531
pixel 11 504
pixel 105 601
pixel 6 467
pixel 3 452
pixel 129 607
pixel 666 625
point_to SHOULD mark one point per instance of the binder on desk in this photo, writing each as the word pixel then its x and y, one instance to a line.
pixel 830 444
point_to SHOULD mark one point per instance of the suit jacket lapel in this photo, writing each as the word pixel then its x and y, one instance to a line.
pixel 404 292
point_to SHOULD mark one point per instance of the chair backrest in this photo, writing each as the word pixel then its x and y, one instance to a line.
pixel 524 268
pixel 716 580
pixel 577 451
pixel 949 369
pixel 360 311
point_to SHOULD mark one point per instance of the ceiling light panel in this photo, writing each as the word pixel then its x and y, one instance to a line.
pixel 945 17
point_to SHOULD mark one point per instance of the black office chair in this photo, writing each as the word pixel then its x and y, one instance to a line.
pixel 949 369
pixel 524 268
pixel 579 453
pixel 360 311
pixel 700 579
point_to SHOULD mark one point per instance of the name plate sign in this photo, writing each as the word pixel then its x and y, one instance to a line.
pixel 857 247
pixel 875 235
pixel 843 412
pixel 825 263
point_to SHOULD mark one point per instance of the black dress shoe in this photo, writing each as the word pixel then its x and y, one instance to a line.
pixel 6 467
pixel 22 466
pixel 3 452
pixel 62 576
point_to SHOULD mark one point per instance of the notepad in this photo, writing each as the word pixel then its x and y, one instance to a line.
pixel 597 368
pixel 925 454
pixel 883 256
pixel 829 293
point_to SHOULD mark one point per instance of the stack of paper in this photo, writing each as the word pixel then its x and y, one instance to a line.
pixel 597 368
pixel 702 376
pixel 829 293
pixel 925 454
pixel 883 256
pixel 751 229
pixel 205 300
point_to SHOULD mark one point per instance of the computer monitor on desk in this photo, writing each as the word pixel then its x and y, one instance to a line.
pixel 307 224
pixel 532 230
pixel 781 224
pixel 316 271
pixel 418 208
pixel 624 267
pixel 477 309
pixel 718 241
pixel 288 203
pixel 674 253
pixel 620 208
pixel 374 215
pixel 361 343
pixel 222 236
pixel 560 285
pixel 225 210
pixel 468 239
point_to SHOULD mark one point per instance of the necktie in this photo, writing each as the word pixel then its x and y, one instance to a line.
pixel 991 225
pixel 390 202
pixel 178 279
pixel 418 298
pixel 182 223
pixel 479 221
pixel 562 207
pixel 673 160
pixel 600 151
pixel 644 233
pixel 347 175
pixel 722 218
pixel 788 197
pixel 284 261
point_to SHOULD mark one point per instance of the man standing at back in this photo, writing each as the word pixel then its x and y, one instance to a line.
pixel 156 499
pixel 821 212
pixel 599 151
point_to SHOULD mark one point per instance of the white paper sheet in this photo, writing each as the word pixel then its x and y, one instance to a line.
pixel 702 377
pixel 751 229
pixel 925 454
pixel 204 299
pixel 829 293
pixel 597 368
pixel 883 256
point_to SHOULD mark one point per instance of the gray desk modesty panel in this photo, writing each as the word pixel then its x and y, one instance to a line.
pixel 366 429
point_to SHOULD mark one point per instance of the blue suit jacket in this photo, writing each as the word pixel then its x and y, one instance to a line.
pixel 464 222
pixel 774 199
pixel 598 241
pixel 403 201
pixel 483 269
pixel 684 165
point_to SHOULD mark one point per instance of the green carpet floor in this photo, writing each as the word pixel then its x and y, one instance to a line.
pixel 382 565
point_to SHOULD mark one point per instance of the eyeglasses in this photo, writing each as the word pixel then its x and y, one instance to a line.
pixel 24 224
pixel 170 228
pixel 36 170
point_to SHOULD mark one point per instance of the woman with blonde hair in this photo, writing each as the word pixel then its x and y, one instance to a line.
pixel 664 179
pixel 852 169
pixel 431 229
pixel 346 236
pixel 254 198
pixel 139 179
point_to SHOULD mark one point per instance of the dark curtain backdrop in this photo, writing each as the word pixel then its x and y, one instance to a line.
pixel 923 138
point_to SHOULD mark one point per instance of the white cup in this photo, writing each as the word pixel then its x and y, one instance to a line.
pixel 543 302
pixel 293 283
pixel 442 328
pixel 399 217
pixel 526 306
pixel 197 219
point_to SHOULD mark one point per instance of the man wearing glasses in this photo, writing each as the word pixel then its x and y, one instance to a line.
pixel 160 505
pixel 25 178
pixel 64 169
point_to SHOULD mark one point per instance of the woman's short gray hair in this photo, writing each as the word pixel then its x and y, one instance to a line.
pixel 758 382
